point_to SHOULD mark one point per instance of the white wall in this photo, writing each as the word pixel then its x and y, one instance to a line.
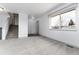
pixel 32 26
pixel 4 22
pixel 5 28
pixel 69 37
pixel 0 23
pixel 23 25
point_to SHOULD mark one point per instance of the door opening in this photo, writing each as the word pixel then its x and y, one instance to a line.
pixel 13 27
pixel 33 27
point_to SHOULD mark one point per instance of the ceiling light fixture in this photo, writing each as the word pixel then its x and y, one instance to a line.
pixel 1 9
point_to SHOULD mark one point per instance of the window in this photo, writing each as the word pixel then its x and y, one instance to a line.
pixel 63 21
pixel 54 21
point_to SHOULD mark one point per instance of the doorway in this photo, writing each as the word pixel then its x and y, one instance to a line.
pixel 33 27
pixel 13 27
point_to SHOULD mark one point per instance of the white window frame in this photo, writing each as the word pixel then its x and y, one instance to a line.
pixel 61 27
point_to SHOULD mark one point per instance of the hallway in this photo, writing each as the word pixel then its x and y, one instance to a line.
pixel 13 32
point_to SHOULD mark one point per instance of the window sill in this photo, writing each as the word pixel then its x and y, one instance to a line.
pixel 64 28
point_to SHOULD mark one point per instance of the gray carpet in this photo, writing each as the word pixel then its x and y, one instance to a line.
pixel 35 45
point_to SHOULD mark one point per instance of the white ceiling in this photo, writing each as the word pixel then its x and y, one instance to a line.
pixel 34 9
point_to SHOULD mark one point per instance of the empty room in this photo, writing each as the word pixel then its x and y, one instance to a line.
pixel 39 28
